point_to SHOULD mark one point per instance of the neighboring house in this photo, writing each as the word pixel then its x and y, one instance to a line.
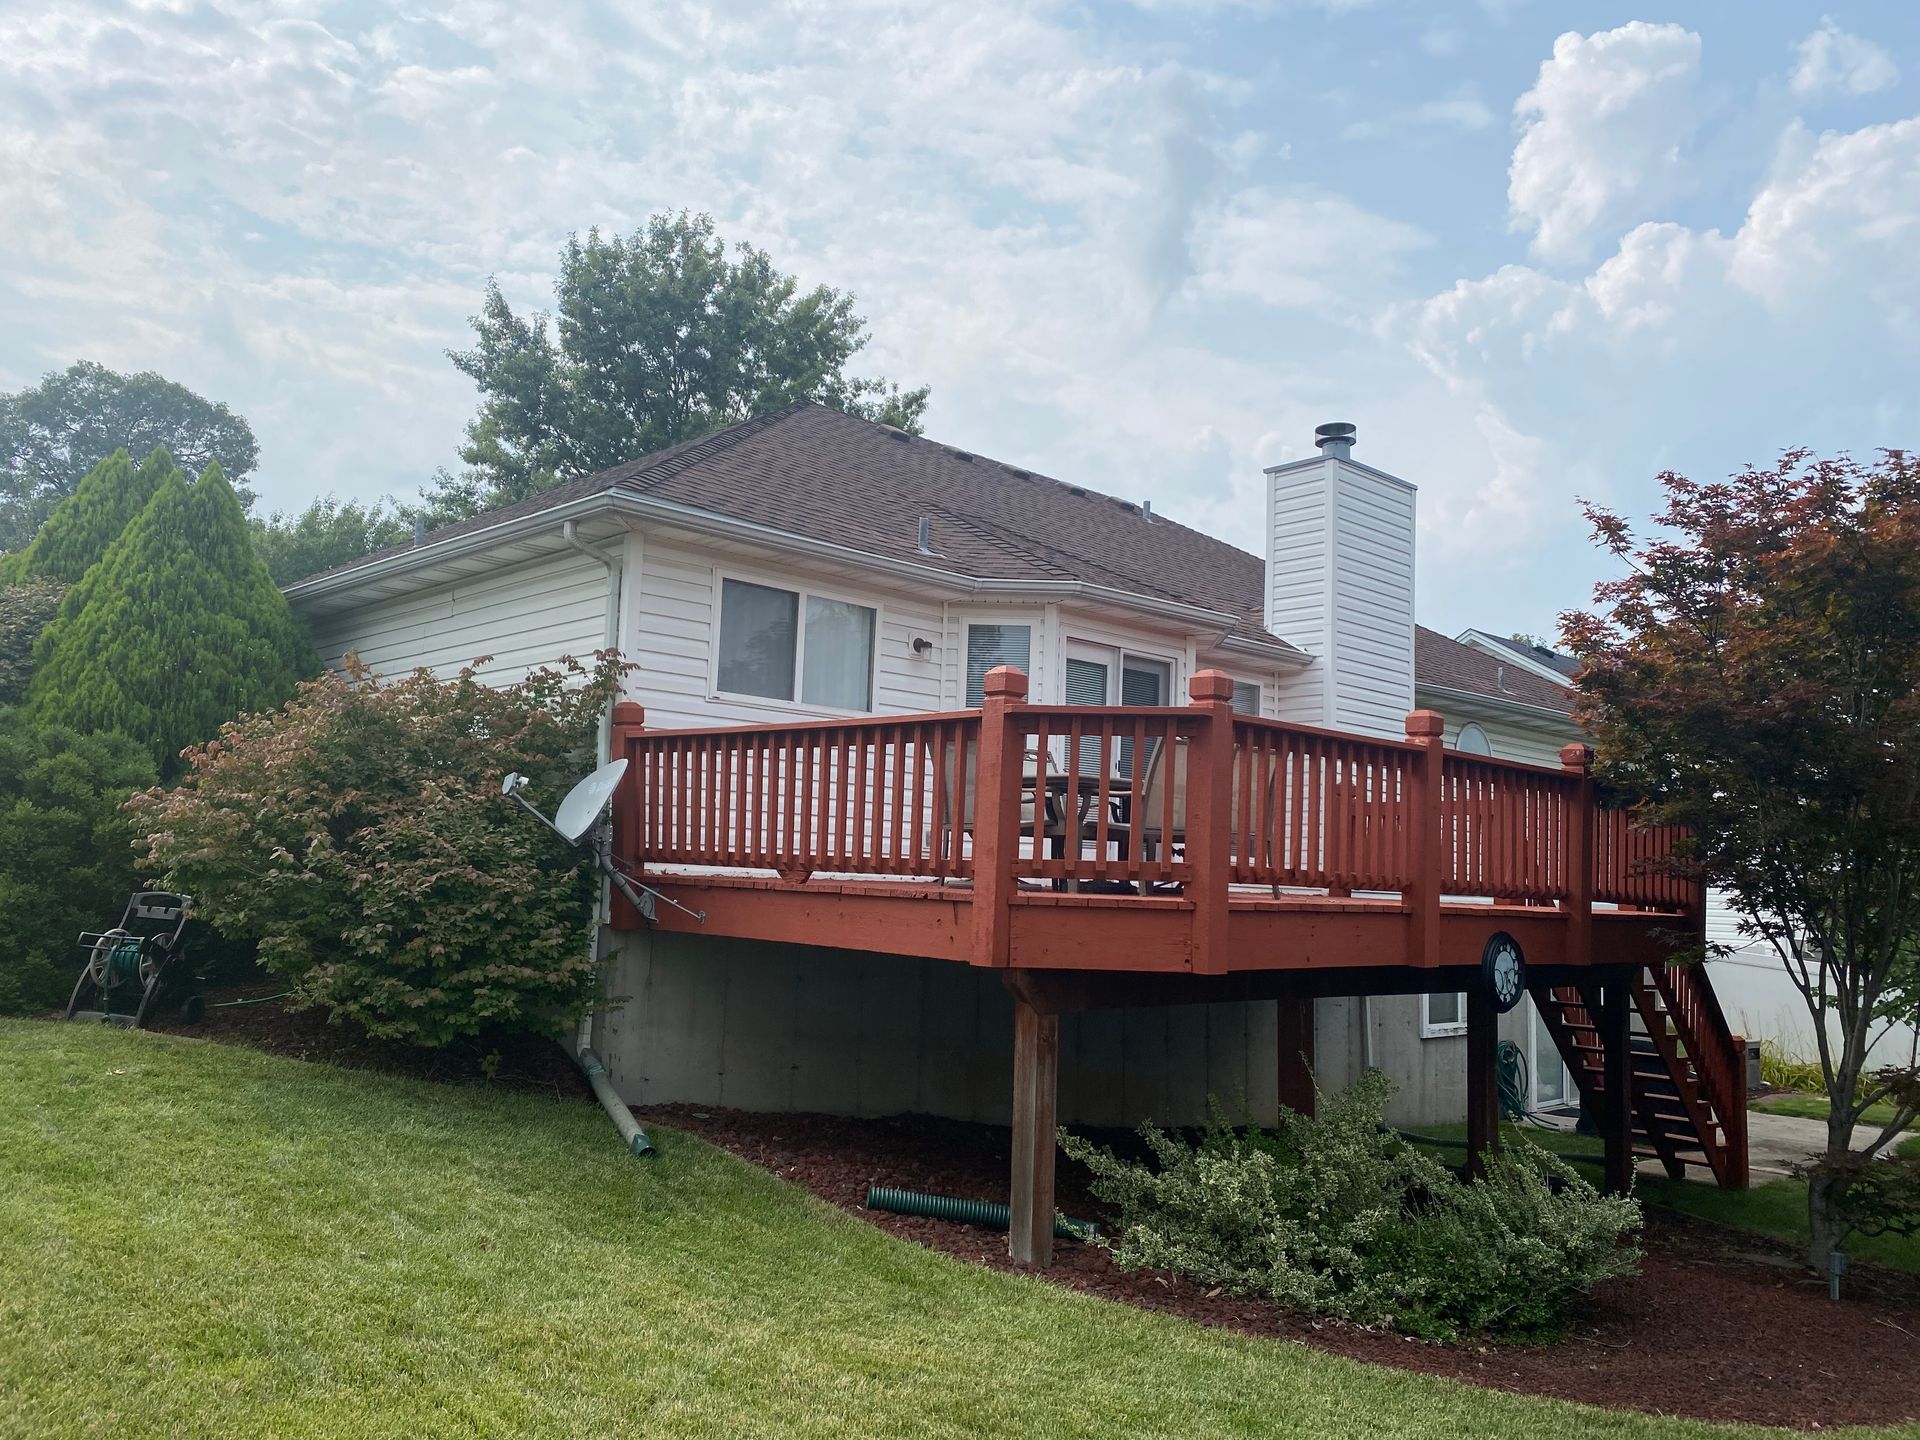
pixel 806 565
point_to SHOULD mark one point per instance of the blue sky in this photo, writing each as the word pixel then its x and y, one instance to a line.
pixel 1536 251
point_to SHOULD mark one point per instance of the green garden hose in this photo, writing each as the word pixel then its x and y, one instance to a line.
pixel 987 1213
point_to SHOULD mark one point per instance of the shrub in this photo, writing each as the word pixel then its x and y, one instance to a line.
pixel 1337 1215
pixel 66 853
pixel 174 631
pixel 25 610
pixel 1783 1071
pixel 359 835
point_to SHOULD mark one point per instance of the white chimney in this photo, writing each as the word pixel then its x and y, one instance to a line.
pixel 1340 586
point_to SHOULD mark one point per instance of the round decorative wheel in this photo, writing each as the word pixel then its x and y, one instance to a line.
pixel 1503 969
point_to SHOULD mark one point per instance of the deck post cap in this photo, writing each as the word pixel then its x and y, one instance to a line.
pixel 1006 681
pixel 1210 685
pixel 1577 756
pixel 630 714
pixel 1423 724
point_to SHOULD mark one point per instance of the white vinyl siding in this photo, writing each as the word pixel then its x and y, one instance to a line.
pixel 672 634
pixel 523 618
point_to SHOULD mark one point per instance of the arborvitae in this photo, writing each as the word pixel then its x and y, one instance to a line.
pixel 84 524
pixel 175 631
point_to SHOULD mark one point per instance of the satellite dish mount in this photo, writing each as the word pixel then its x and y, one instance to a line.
pixel 577 822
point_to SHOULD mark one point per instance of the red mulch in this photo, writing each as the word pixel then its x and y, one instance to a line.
pixel 1718 1325
pixel 519 1061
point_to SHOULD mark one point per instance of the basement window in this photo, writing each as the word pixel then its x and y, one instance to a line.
pixel 1443 1014
pixel 790 645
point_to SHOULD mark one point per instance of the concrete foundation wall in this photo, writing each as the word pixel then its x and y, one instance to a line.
pixel 713 1021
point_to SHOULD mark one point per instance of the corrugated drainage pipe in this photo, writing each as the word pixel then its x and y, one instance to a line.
pixel 968 1212
pixel 630 1132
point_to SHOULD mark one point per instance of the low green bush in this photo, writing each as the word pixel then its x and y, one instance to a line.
pixel 1336 1215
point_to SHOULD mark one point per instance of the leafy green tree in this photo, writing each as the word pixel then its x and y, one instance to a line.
pixel 661 338
pixel 177 630
pixel 360 837
pixel 327 533
pixel 25 610
pixel 66 854
pixel 1755 676
pixel 80 528
pixel 53 433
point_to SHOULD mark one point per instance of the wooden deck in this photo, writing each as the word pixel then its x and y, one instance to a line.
pixel 1120 856
pixel 1184 840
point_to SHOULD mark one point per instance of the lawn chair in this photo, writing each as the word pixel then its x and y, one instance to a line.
pixel 1053 824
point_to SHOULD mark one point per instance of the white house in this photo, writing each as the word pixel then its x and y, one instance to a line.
pixel 807 565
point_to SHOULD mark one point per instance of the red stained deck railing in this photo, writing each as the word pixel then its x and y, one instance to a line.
pixel 1140 800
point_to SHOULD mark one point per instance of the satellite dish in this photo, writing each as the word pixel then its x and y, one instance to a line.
pixel 582 807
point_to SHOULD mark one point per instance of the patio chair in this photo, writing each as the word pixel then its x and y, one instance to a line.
pixel 1053 824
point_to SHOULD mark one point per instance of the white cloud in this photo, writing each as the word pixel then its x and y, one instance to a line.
pixel 1303 250
pixel 1832 62
pixel 1798 325
pixel 1602 132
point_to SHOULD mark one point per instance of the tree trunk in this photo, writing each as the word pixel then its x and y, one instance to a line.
pixel 1822 1225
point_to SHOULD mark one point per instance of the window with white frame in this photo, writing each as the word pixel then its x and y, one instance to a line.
pixel 1246 697
pixel 990 644
pixel 1444 1013
pixel 791 645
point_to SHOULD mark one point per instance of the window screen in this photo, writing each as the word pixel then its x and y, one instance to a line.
pixel 1246 697
pixel 839 655
pixel 991 645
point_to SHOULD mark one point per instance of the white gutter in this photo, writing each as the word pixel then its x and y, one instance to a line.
pixel 646 507
pixel 1476 697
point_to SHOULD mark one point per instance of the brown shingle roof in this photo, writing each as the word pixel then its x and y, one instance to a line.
pixel 816 472
pixel 1446 663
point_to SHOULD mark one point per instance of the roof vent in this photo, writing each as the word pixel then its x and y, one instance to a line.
pixel 1146 511
pixel 1335 438
pixel 926 536
pixel 896 432
pixel 419 530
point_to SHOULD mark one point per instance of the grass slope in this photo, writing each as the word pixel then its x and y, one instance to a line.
pixel 207 1241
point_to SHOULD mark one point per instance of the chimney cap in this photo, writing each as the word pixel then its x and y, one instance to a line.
pixel 1335 432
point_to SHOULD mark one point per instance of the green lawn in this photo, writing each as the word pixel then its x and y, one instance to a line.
pixel 1814 1107
pixel 206 1241
pixel 1777 1208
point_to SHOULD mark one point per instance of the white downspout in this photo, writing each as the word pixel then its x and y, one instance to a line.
pixel 602 904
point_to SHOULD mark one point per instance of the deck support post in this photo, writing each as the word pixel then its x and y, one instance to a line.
pixel 996 833
pixel 1036 1069
pixel 1210 818
pixel 629 722
pixel 1615 1024
pixel 1427 855
pixel 1483 1081
pixel 1296 1054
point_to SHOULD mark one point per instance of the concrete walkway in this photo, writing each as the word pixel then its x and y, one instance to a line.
pixel 1777 1142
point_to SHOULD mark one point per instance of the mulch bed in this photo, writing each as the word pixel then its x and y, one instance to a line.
pixel 518 1061
pixel 1718 1325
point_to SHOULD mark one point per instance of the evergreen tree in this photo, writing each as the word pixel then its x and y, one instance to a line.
pixel 84 524
pixel 176 630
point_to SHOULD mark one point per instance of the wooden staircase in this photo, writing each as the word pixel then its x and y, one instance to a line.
pixel 1688 1085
